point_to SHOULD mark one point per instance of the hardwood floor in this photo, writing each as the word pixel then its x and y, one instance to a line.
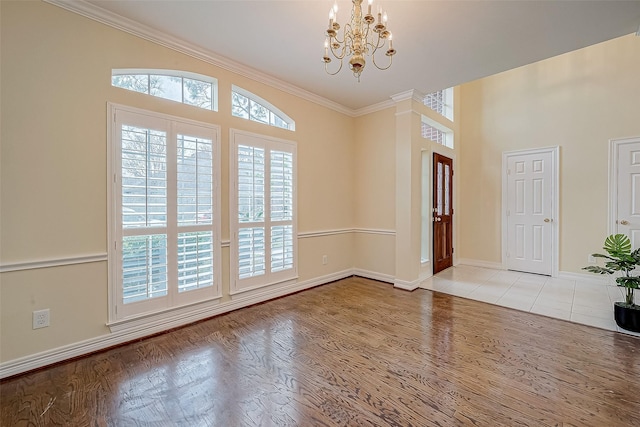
pixel 351 353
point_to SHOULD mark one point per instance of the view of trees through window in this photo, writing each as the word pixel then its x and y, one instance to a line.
pixel 166 217
pixel 245 106
pixel 190 91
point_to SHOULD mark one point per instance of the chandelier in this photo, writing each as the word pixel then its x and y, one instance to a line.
pixel 362 36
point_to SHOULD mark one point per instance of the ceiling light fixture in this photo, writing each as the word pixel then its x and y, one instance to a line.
pixel 359 39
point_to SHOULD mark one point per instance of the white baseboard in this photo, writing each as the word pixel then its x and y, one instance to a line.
pixel 81 348
pixel 407 286
pixel 373 275
pixel 480 263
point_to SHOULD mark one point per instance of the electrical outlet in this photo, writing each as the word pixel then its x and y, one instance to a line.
pixel 41 318
pixel 591 259
pixel 325 259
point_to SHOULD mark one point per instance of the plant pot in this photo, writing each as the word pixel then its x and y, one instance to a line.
pixel 627 317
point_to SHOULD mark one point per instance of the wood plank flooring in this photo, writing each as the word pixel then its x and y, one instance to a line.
pixel 351 353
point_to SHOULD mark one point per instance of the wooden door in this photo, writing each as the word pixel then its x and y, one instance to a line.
pixel 442 212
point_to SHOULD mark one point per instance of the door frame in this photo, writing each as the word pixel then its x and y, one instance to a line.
pixel 555 200
pixel 614 148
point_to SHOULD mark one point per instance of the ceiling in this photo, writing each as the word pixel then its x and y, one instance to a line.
pixel 439 43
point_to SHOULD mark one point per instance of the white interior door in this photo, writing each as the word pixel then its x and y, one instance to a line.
pixel 530 197
pixel 627 193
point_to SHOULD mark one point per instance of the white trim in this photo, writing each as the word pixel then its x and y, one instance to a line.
pixel 322 233
pixel 481 263
pixel 374 108
pixel 409 94
pixel 188 313
pixel 375 231
pixel 407 286
pixel 387 278
pixel 53 262
pixel 101 257
pixel 614 147
pixel 555 185
pixel 145 32
pixel 337 231
pixel 81 348
pixel 262 287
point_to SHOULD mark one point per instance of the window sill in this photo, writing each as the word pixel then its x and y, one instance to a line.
pixel 168 318
pixel 262 288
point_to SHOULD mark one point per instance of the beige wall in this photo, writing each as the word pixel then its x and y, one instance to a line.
pixel 55 79
pixel 374 192
pixel 577 101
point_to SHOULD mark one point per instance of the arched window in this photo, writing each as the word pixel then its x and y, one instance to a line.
pixel 180 86
pixel 251 107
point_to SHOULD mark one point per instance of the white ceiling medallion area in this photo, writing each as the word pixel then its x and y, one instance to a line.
pixel 443 43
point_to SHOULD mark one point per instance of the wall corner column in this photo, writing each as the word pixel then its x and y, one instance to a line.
pixel 408 190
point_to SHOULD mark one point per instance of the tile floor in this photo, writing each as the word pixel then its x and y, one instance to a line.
pixel 580 301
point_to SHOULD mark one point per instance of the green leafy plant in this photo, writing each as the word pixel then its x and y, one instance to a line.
pixel 621 258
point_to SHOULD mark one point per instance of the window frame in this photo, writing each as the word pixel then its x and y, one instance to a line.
pixel 447 134
pixel 444 107
pixel 237 285
pixel 170 73
pixel 291 124
pixel 119 311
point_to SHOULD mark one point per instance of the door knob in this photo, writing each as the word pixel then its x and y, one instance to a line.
pixel 624 222
pixel 548 220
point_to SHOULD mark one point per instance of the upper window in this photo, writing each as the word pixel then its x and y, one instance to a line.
pixel 436 132
pixel 165 212
pixel 249 106
pixel 441 102
pixel 180 86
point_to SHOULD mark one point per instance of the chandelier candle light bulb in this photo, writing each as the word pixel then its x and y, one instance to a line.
pixel 359 39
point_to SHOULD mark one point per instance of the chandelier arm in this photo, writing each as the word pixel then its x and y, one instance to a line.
pixel 373 58
pixel 326 69
pixel 380 42
pixel 341 55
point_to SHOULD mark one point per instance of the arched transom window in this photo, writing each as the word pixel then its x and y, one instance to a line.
pixel 180 86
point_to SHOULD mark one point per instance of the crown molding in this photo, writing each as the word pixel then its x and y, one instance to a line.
pixel 373 108
pixel 137 29
pixel 413 94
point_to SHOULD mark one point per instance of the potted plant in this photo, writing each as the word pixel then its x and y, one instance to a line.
pixel 621 258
